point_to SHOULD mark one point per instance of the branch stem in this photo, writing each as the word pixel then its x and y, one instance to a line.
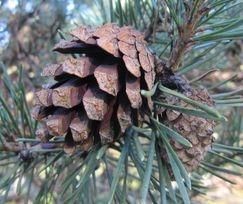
pixel 185 33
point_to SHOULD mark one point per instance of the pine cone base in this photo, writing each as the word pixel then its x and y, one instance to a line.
pixel 198 131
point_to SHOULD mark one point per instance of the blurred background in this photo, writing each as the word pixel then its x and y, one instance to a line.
pixel 30 28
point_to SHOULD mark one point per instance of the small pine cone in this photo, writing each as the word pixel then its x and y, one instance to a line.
pixel 96 96
pixel 198 131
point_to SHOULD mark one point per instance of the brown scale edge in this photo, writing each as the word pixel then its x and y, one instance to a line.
pixel 58 123
pixel 95 103
pixel 68 94
pixel 133 91
pixel 106 131
pixel 108 78
pixel 80 127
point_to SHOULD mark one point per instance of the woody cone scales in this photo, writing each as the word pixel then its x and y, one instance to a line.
pixel 96 95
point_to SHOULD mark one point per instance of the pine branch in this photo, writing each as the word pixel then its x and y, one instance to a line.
pixel 10 146
pixel 130 154
pixel 185 33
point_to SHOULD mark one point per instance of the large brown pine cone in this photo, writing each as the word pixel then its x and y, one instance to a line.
pixel 96 96
pixel 97 91
pixel 198 131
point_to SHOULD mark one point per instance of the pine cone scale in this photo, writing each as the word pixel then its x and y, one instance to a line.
pixel 84 34
pixel 95 104
pixel 68 95
pixel 109 45
pixel 44 97
pixel 145 63
pixel 132 65
pixel 80 127
pixel 76 46
pixel 58 123
pixel 106 130
pixel 124 116
pixel 127 49
pixel 52 70
pixel 126 37
pixel 133 91
pixel 107 78
pixel 82 67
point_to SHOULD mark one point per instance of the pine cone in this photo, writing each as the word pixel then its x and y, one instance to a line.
pixel 198 131
pixel 96 96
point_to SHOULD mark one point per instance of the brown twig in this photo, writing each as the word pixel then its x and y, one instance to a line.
pixel 185 33
pixel 10 146
pixel 151 28
pixel 203 75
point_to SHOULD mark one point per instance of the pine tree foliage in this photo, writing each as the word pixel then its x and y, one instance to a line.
pixel 189 36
